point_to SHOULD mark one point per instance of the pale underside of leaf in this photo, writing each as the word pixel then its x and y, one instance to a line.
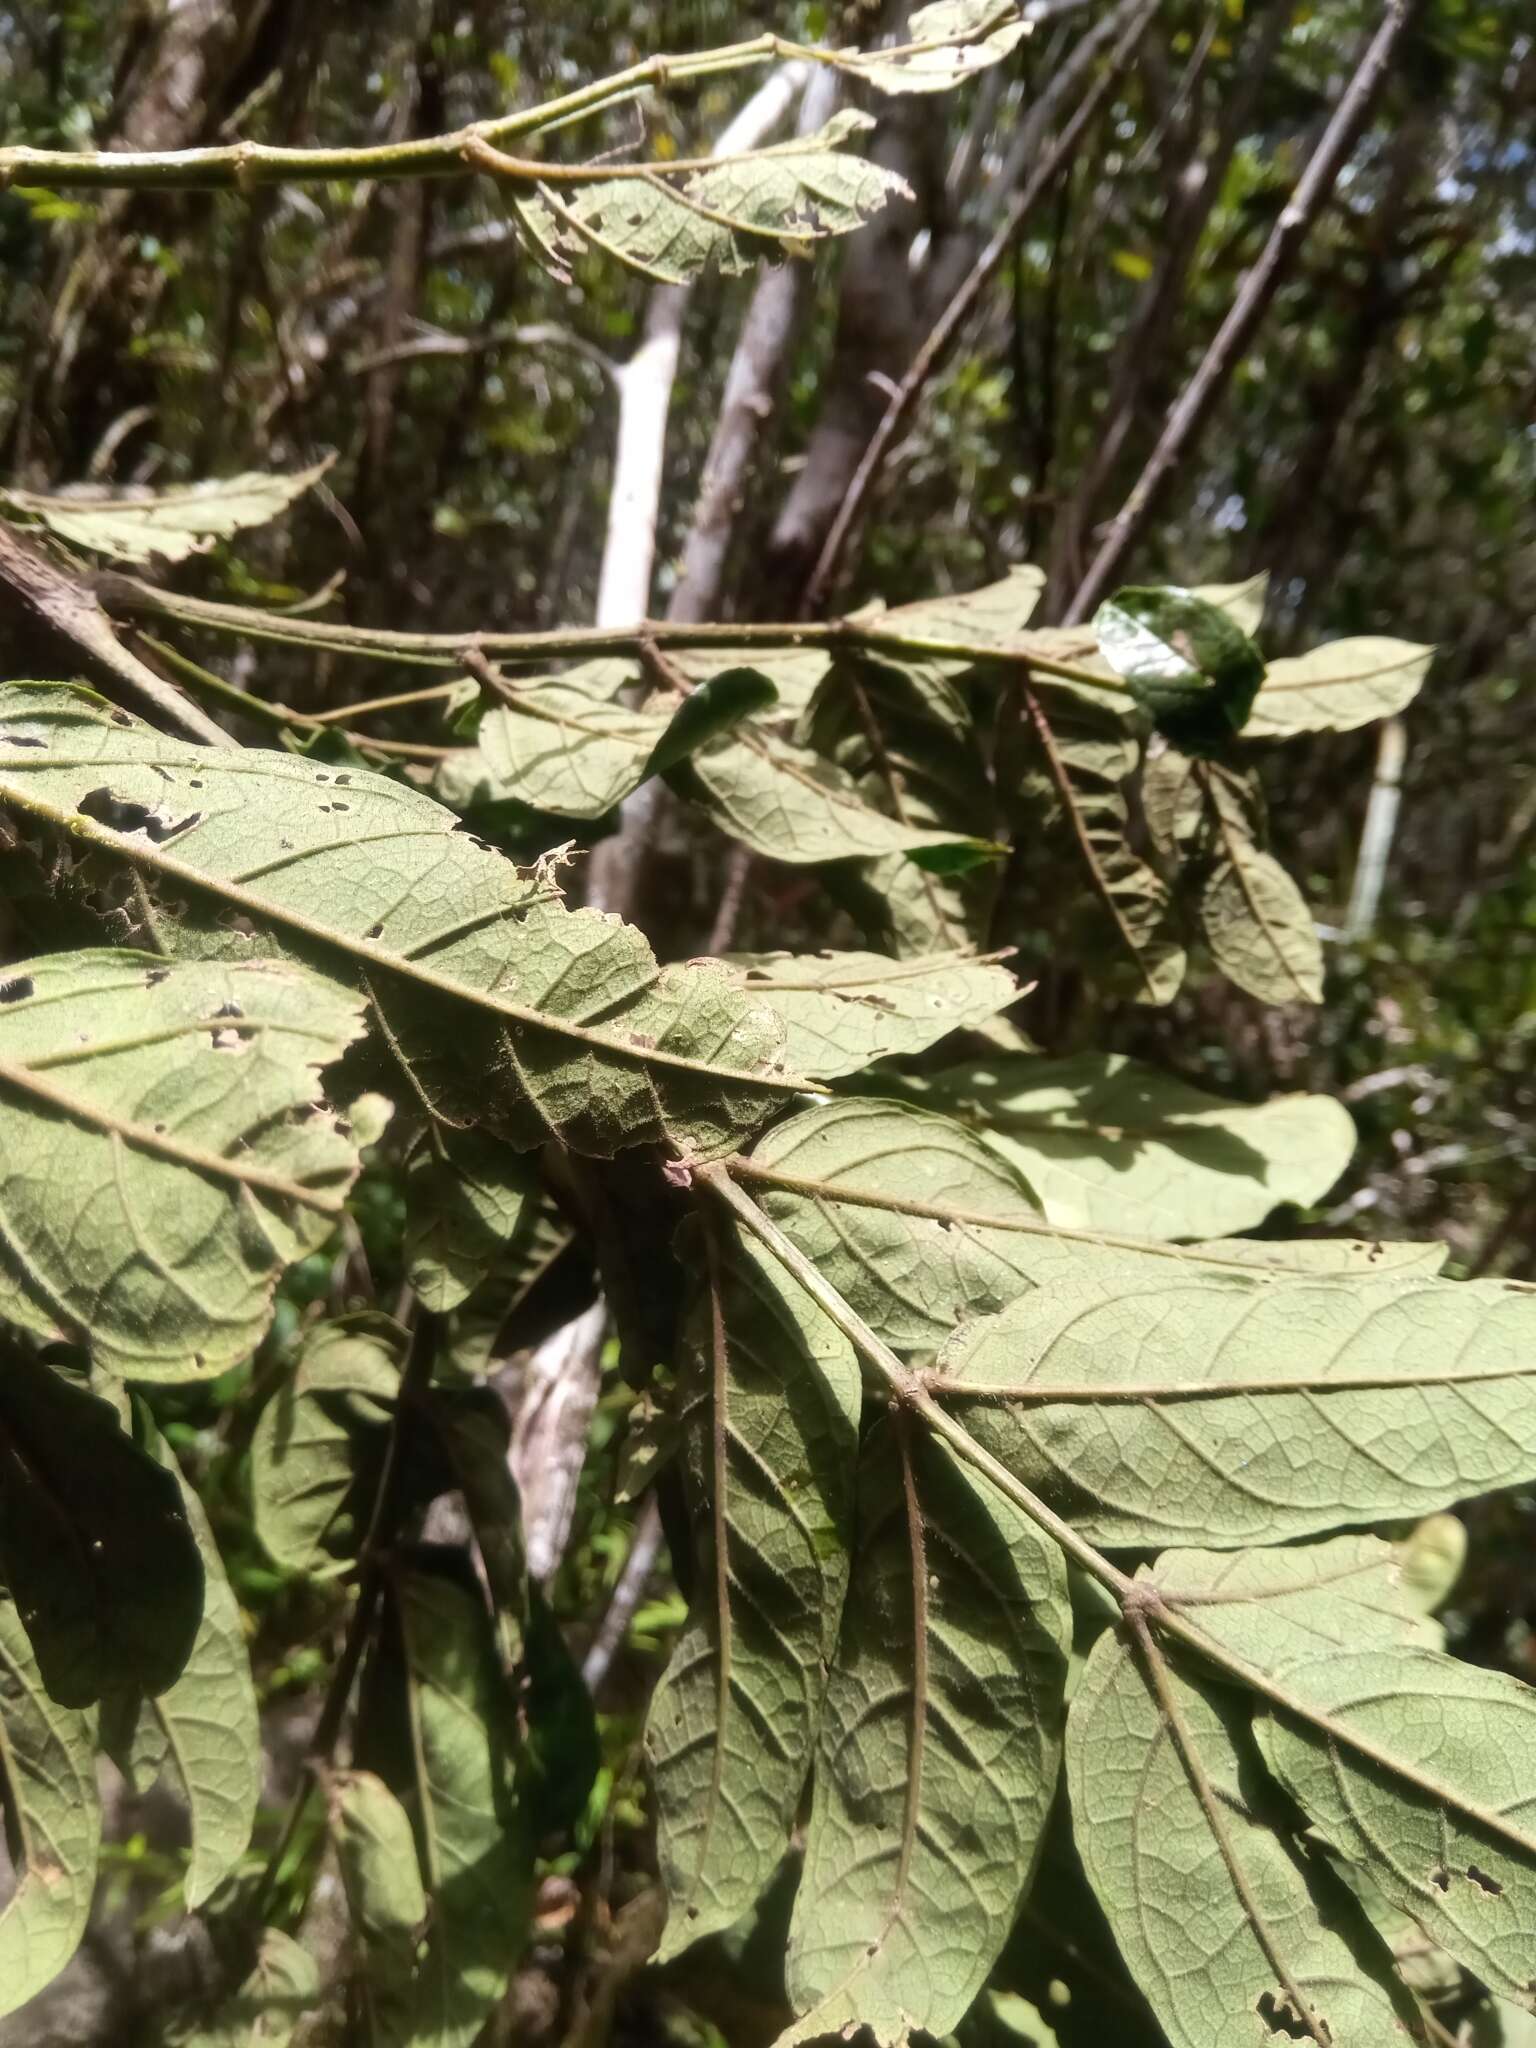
pixel 513 1012
pixel 1337 687
pixel 940 1744
pixel 769 1403
pixel 1234 1412
pixel 1242 602
pixel 1223 1921
pixel 165 1154
pixel 944 44
pixel 171 524
pixel 843 1011
pixel 48 1789
pixel 1256 922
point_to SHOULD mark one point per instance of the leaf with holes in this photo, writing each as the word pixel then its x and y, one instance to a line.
pixel 940 1742
pixel 768 1405
pixel 513 1012
pixel 1105 1143
pixel 844 1011
pixel 1238 1937
pixel 138 526
pixel 1337 687
pixel 1243 1407
pixel 1188 663
pixel 943 44
pixel 53 1820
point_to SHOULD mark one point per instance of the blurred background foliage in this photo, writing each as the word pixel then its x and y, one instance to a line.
pixel 1375 452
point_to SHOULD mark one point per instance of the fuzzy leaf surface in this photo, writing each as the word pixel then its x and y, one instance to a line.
pixel 768 1406
pixel 844 1011
pixel 1233 1410
pixel 513 1012
pixel 165 1155
pixel 52 1813
pixel 941 1739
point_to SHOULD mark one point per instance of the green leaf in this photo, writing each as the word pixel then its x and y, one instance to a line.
pixel 562 1744
pixel 768 1403
pixel 185 520
pixel 1256 922
pixel 376 1852
pixel 53 1821
pixel 438 1726
pixel 95 1545
pixel 282 1988
pixel 1208 1895
pixel 1242 602
pixel 791 804
pixel 674 228
pixel 989 618
pixel 1231 1409
pixel 1104 905
pixel 1105 1143
pixel 476 1433
pixel 202 1732
pixel 487 985
pixel 165 1156
pixel 317 1440
pixel 794 672
pixel 940 1742
pixel 1414 1767
pixel 471 1204
pixel 844 1011
pixel 1340 686
pixel 564 744
pixel 944 43
pixel 1188 662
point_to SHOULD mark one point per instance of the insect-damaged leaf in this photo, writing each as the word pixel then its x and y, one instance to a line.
pixel 201 1733
pixel 162 1153
pixel 769 1401
pixel 1224 1920
pixel 1231 1410
pixel 1337 687
pixel 438 1726
pixel 843 1011
pixel 943 44
pixel 185 520
pixel 672 228
pixel 95 1546
pixel 487 984
pixel 53 1820
pixel 317 1443
pixel 940 1740
pixel 1106 1143
pixel 1188 663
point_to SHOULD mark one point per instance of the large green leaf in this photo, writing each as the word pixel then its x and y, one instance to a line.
pixel 1229 1409
pixel 165 1154
pixel 53 1820
pixel 136 526
pixel 1105 907
pixel 1335 688
pixel 96 1548
pixel 844 1011
pixel 1226 1924
pixel 201 1733
pixel 940 1741
pixel 316 1445
pixel 569 745
pixel 1188 662
pixel 387 1906
pixel 439 1728
pixel 1105 1143
pixel 791 804
pixel 470 1205
pixel 672 228
pixel 513 1012
pixel 768 1403
pixel 943 44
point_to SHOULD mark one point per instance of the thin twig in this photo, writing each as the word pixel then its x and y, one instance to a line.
pixel 1253 300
